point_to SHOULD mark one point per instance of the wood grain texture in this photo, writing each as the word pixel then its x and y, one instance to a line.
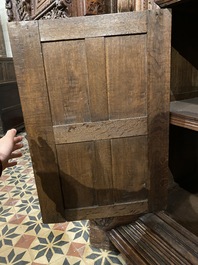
pixel 130 175
pixel 184 82
pixel 126 76
pixel 36 110
pixel 168 3
pixel 184 121
pixel 102 173
pixel 68 85
pixel 102 130
pixel 158 113
pixel 7 72
pixel 184 113
pixel 97 108
pixel 155 239
pixel 99 237
pixel 76 163
pixel 132 208
pixel 96 66
pixel 93 26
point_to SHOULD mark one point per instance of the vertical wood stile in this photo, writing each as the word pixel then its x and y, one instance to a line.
pixel 35 104
pixel 158 50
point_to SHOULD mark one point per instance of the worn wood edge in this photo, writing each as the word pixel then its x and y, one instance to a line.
pixel 183 113
pixel 159 53
pixel 168 253
pixel 102 130
pixel 159 244
pixel 173 237
pixel 93 26
pixel 138 242
pixel 119 209
pixel 24 36
pixel 124 247
pixel 179 228
pixel 184 121
pixel 143 239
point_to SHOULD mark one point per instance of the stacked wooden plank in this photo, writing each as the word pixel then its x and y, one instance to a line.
pixel 156 239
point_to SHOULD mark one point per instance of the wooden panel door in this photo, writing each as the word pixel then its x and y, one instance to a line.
pixel 95 97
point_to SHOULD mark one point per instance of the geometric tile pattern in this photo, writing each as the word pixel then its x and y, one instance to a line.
pixel 24 239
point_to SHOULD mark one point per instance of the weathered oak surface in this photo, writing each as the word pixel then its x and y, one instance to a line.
pixel 95 94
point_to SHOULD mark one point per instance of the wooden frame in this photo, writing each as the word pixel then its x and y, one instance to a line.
pixel 42 127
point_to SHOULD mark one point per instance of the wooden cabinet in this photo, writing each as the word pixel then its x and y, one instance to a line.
pixel 96 109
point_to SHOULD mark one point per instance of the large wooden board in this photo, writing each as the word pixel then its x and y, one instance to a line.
pixel 95 96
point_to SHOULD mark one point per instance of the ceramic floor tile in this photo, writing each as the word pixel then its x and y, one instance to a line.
pixel 7 189
pixel 36 263
pixel 4 196
pixel 6 213
pixel 79 231
pixel 17 219
pixel 61 226
pixel 15 256
pixel 8 236
pixel 49 247
pixel 24 239
pixel 76 249
pixel 11 202
pixel 27 205
pixel 69 261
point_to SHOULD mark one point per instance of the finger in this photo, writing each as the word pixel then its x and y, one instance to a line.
pixel 17 146
pixel 18 139
pixel 11 133
pixel 11 164
pixel 15 155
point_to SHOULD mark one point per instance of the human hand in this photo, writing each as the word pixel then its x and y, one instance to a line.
pixel 9 143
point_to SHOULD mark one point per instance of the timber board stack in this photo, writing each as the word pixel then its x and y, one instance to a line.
pixel 156 239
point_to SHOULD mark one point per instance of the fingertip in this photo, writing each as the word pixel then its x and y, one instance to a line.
pixel 12 131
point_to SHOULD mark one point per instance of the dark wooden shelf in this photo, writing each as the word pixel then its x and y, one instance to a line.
pixel 184 113
pixel 169 3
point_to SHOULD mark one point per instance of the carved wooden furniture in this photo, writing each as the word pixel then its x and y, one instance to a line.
pixel 96 109
pixel 53 9
pixel 10 108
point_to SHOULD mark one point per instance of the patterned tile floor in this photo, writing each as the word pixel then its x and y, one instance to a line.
pixel 24 239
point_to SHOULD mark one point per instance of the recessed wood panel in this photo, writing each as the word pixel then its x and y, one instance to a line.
pixel 126 76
